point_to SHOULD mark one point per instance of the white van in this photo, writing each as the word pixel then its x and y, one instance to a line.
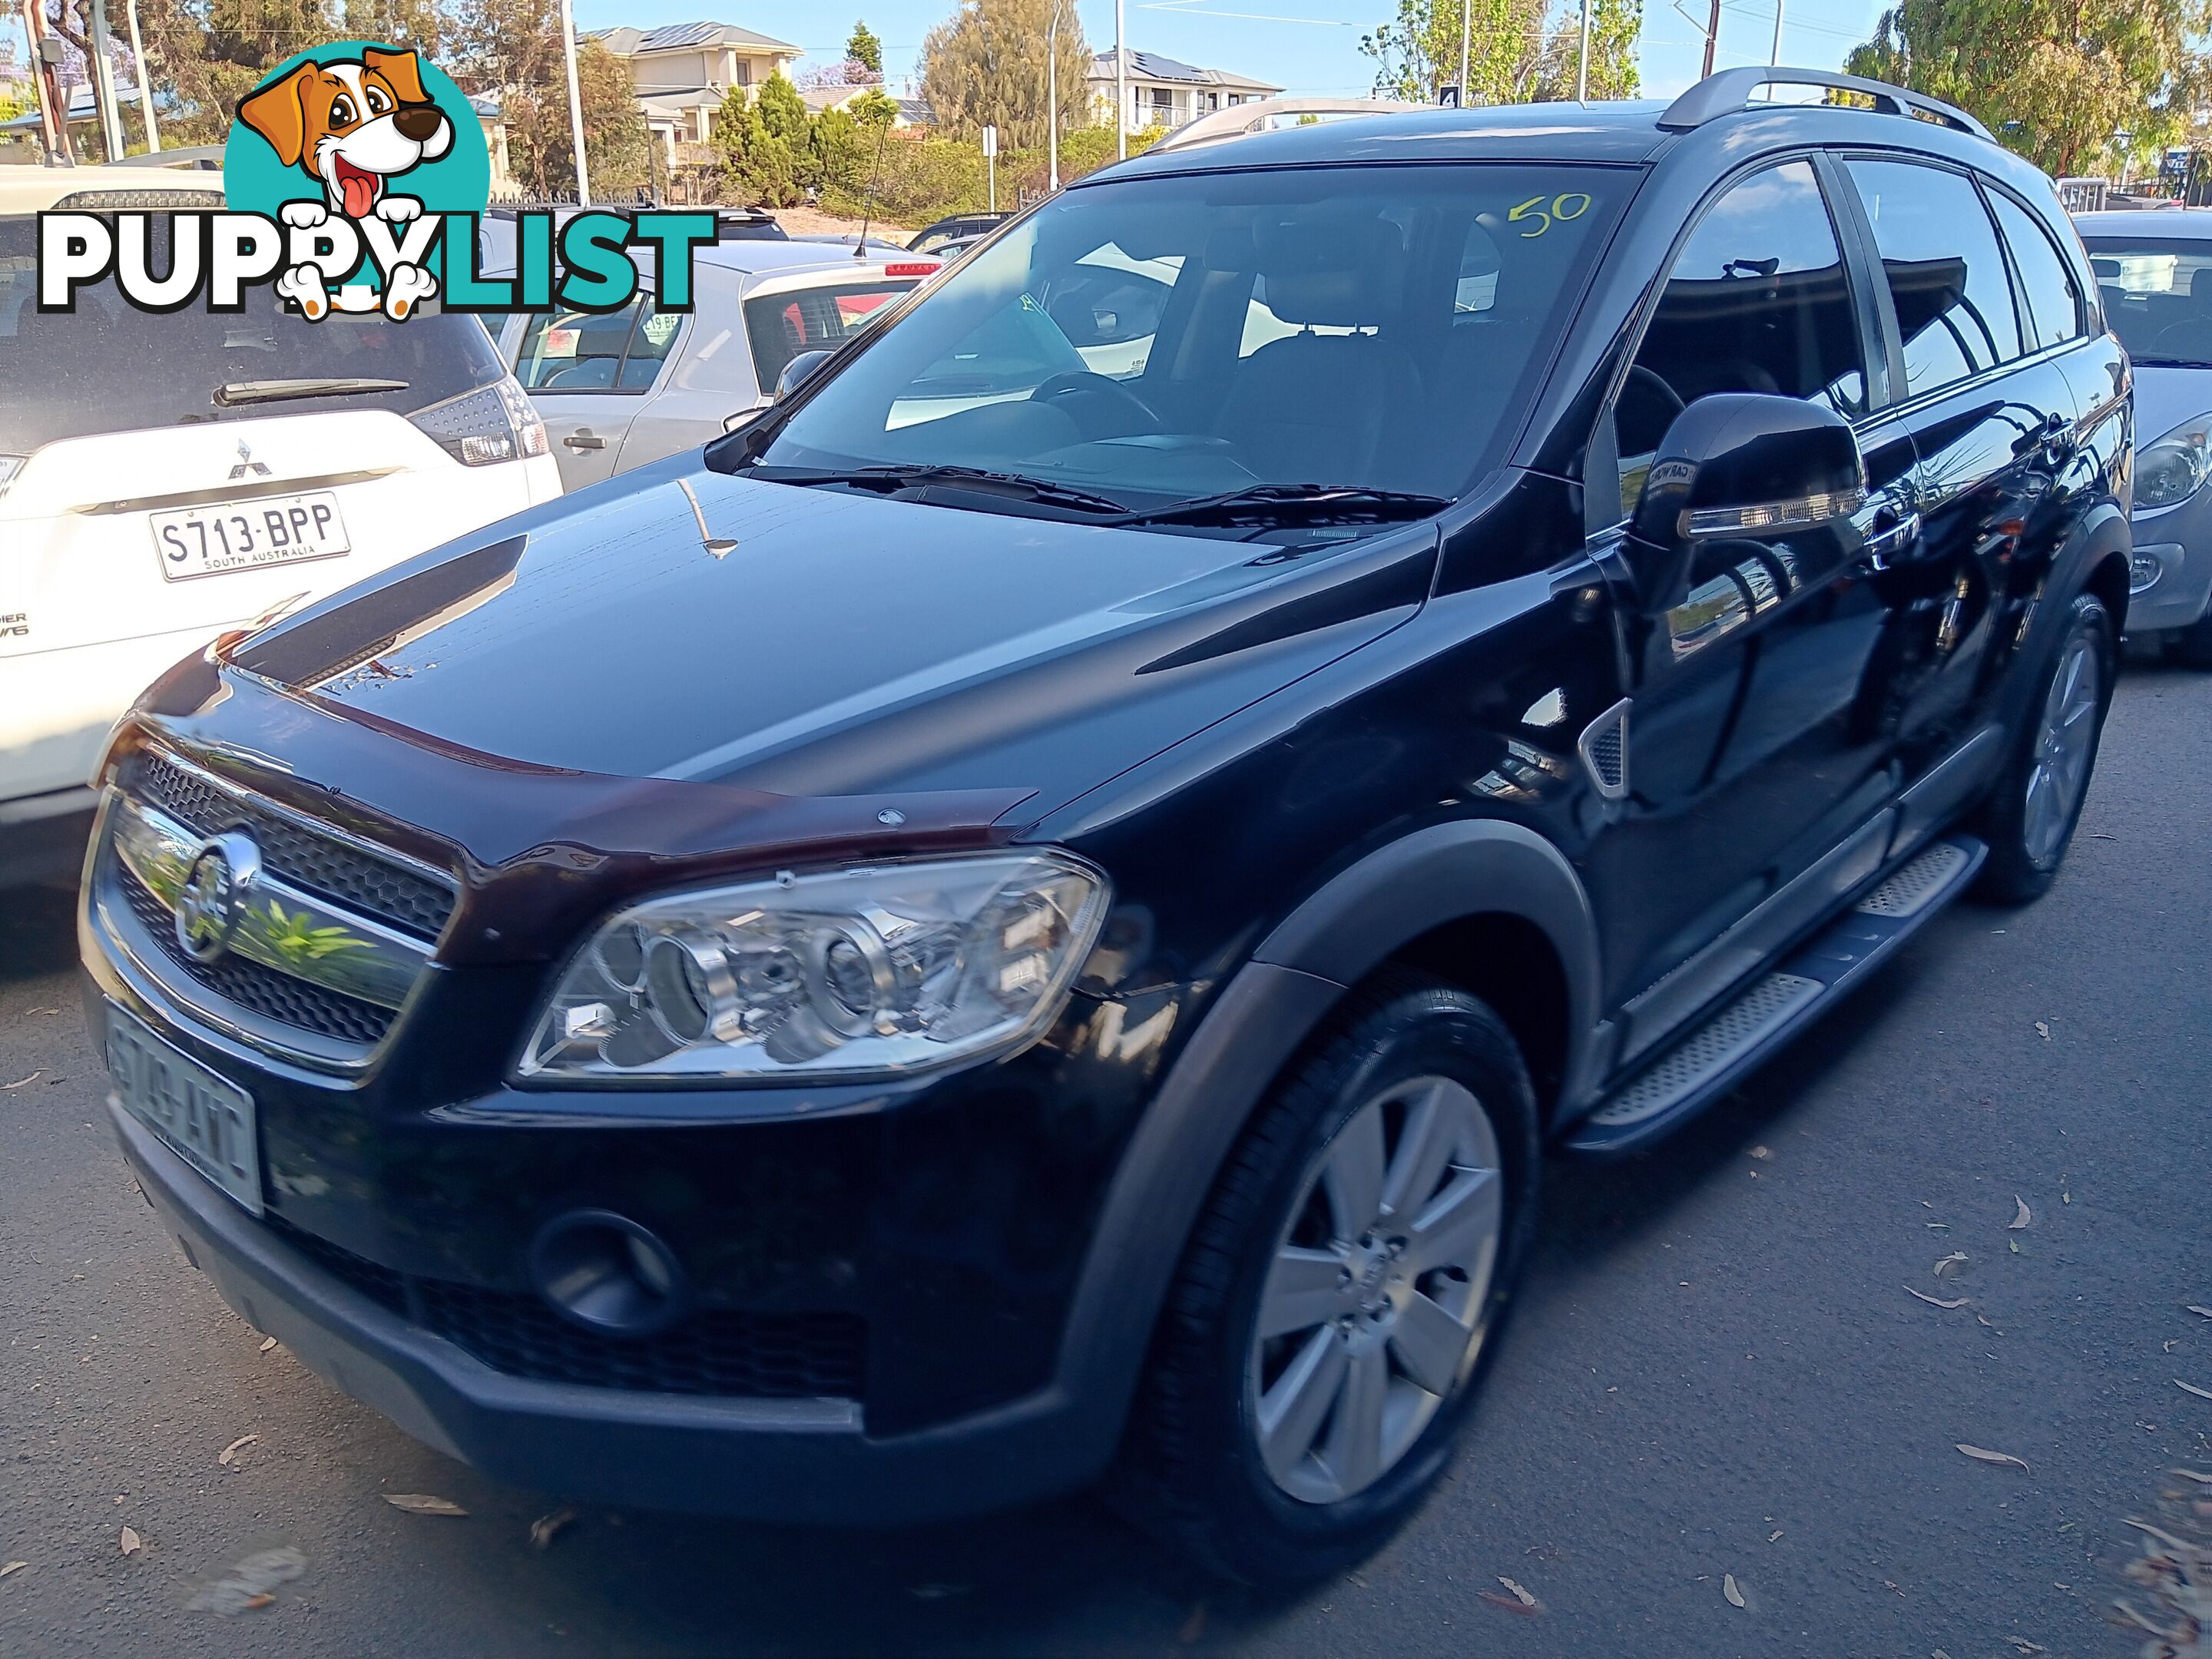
pixel 164 478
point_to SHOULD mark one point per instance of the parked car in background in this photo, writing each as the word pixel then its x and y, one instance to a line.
pixel 618 389
pixel 164 478
pixel 958 227
pixel 2154 270
pixel 1007 919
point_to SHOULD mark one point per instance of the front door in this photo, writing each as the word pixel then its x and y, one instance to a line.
pixel 1740 755
pixel 589 373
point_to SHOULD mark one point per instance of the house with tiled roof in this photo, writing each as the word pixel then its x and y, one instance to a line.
pixel 681 72
pixel 1164 93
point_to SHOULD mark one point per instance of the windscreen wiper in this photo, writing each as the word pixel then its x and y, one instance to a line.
pixel 889 480
pixel 1299 504
pixel 231 393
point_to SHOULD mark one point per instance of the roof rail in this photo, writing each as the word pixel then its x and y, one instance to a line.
pixel 1731 89
pixel 1239 119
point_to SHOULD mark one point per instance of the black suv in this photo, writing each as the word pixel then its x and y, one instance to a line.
pixel 1038 908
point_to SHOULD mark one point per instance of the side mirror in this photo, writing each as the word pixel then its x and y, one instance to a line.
pixel 1741 465
pixel 799 370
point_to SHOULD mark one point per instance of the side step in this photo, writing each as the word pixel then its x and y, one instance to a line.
pixel 1746 1030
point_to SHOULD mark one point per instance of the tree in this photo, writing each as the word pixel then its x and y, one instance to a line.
pixel 985 65
pixel 2053 79
pixel 511 50
pixel 1518 50
pixel 758 163
pixel 865 50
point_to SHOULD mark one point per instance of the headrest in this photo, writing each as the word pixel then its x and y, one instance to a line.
pixel 2104 268
pixel 2200 285
pixel 1333 271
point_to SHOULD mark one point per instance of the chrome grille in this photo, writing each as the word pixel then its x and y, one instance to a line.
pixel 379 888
pixel 261 990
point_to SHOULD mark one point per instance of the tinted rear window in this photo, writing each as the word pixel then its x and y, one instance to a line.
pixel 106 367
pixel 806 319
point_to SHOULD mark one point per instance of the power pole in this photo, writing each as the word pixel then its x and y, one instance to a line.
pixel 576 103
pixel 145 80
pixel 103 83
pixel 1712 36
pixel 53 103
pixel 1466 35
pixel 1582 64
pixel 1121 86
pixel 1052 99
pixel 1775 61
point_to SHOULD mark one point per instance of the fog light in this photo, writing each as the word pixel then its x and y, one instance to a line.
pixel 608 1274
pixel 2144 568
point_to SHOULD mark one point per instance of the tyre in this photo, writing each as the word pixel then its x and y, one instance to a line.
pixel 1341 1292
pixel 2032 809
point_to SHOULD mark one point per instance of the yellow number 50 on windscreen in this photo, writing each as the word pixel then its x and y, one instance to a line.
pixel 1571 205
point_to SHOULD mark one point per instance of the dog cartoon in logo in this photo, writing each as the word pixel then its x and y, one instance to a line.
pixel 352 126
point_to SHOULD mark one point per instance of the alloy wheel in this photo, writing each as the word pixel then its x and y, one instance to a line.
pixel 2060 767
pixel 1372 1309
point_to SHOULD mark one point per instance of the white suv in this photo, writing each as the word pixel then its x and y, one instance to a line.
pixel 164 478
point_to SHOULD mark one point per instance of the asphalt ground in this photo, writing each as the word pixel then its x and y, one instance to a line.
pixel 1717 1372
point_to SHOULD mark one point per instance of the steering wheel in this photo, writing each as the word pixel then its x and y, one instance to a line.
pixel 1087 397
pixel 1652 380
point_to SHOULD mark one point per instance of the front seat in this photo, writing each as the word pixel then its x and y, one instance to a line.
pixel 1312 408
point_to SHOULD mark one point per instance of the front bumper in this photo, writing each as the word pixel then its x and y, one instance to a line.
pixel 2171 574
pixel 795 1460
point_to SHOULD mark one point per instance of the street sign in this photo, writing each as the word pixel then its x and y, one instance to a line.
pixel 990 143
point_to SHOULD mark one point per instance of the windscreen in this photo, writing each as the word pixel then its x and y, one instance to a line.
pixel 1372 327
pixel 107 368
pixel 2157 296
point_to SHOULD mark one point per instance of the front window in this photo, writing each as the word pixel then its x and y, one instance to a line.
pixel 2157 295
pixel 783 325
pixel 1155 340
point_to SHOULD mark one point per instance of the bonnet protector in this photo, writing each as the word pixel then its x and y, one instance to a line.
pixel 538 852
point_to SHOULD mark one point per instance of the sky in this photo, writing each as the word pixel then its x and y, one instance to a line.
pixel 1305 46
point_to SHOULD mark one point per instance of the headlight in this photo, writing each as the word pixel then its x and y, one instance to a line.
pixel 2175 467
pixel 497 423
pixel 891 969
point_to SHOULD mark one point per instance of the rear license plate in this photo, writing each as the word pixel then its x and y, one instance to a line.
pixel 205 1119
pixel 227 536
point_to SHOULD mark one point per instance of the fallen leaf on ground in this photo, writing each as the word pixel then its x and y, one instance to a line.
pixel 2025 1645
pixel 267 1343
pixel 2023 1218
pixel 1946 1266
pixel 1193 1626
pixel 1936 1301
pixel 2043 1030
pixel 2013 1244
pixel 1762 1151
pixel 248 1585
pixel 1520 1594
pixel 13 1566
pixel 1983 1455
pixel 2190 1388
pixel 2191 1474
pixel 421 1503
pixel 2205 1312
pixel 1728 1589
pixel 1509 1603
pixel 230 1452
pixel 21 1081
pixel 131 1541
pixel 546 1527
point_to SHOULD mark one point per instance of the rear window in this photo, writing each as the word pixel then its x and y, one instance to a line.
pixel 106 367
pixel 784 324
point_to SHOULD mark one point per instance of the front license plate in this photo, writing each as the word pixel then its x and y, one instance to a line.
pixel 207 1121
pixel 226 535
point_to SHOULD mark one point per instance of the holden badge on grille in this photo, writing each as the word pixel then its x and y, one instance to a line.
pixel 216 887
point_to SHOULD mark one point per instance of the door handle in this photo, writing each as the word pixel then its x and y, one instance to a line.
pixel 584 440
pixel 1886 544
pixel 2057 436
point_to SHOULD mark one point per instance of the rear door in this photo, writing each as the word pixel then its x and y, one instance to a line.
pixel 1993 417
pixel 589 373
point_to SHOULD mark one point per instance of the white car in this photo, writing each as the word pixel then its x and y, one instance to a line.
pixel 619 389
pixel 165 478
